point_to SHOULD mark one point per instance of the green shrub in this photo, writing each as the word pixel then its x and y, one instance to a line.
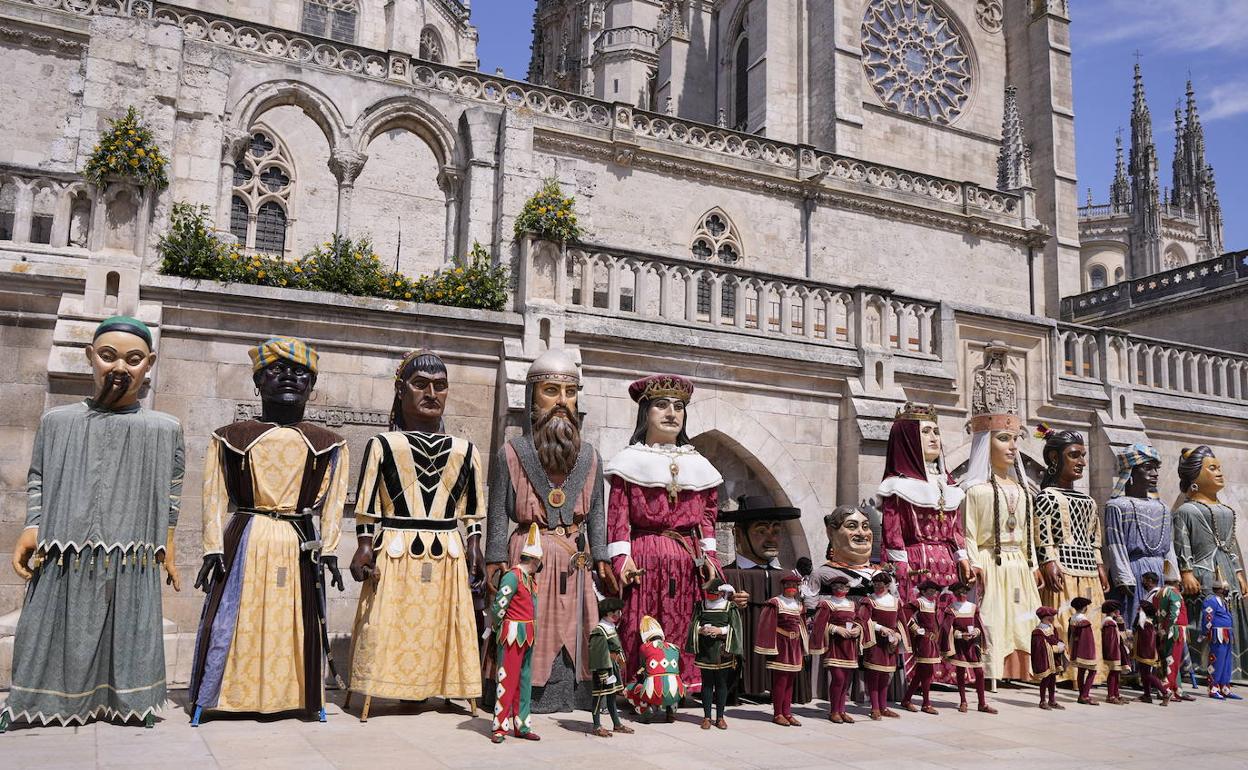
pixel 549 215
pixel 127 149
pixel 340 265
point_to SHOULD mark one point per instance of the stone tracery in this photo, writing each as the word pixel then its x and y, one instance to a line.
pixel 716 239
pixel 262 188
pixel 916 59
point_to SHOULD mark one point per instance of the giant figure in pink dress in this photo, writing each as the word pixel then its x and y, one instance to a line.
pixel 661 516
pixel 923 535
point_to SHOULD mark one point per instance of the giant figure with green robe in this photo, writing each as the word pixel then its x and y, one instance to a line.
pixel 103 495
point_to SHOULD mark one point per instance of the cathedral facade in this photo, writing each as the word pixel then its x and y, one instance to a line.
pixel 815 210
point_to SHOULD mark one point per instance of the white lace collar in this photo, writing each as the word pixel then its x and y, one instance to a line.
pixel 652 466
pixel 925 493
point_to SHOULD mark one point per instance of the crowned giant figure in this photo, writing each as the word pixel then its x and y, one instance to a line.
pixel 103 496
pixel 552 478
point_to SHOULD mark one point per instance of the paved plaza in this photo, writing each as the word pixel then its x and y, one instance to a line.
pixel 1138 735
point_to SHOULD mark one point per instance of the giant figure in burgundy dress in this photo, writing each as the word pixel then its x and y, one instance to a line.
pixel 923 535
pixel 661 516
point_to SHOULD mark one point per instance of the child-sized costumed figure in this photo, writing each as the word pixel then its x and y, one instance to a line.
pixel 1048 657
pixel 514 614
pixel 1083 653
pixel 658 686
pixel 1146 658
pixel 963 644
pixel 835 638
pixel 606 663
pixel 781 637
pixel 103 495
pixel 1115 652
pixel 883 638
pixel 1217 627
pixel 262 640
pixel 716 641
pixel 923 620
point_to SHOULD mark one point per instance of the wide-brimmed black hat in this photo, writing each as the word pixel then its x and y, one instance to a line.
pixel 756 508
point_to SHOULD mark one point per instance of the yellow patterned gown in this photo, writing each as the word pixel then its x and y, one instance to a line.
pixel 1008 597
pixel 415 634
pixel 259 645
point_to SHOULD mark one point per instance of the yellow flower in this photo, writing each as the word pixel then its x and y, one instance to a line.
pixel 408 295
pixel 134 161
pixel 398 283
pixel 283 281
pixel 298 269
pixel 260 274
pixel 141 152
pixel 130 132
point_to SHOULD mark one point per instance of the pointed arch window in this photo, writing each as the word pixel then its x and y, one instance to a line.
pixel 716 239
pixel 741 84
pixel 264 183
pixel 431 46
pixel 334 19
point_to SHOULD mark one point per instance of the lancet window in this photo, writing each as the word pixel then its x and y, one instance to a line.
pixel 334 19
pixel 716 240
pixel 263 190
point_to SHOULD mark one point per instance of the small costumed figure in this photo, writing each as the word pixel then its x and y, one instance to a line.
pixel 964 638
pixel 1147 662
pixel 658 686
pixel 1172 622
pixel 716 641
pixel 883 638
pixel 923 621
pixel 1217 626
pixel 606 662
pixel 1048 657
pixel 515 628
pixel 103 496
pixel 781 637
pixel 836 636
pixel 1115 652
pixel 1083 653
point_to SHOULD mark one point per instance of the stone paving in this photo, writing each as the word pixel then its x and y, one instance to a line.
pixel 1138 735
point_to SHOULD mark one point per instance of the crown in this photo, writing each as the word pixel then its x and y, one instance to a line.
pixel 913 411
pixel 661 386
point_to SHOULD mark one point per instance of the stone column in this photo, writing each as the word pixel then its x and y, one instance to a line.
pixel 345 164
pixel 23 210
pixel 233 145
pixel 450 181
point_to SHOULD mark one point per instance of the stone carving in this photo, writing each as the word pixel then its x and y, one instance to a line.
pixel 332 417
pixel 431 46
pixel 915 59
pixel 989 14
pixel 1014 160
pixel 346 164
pixel 994 389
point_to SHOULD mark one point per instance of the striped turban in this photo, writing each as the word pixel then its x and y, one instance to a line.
pixel 283 348
pixel 1129 459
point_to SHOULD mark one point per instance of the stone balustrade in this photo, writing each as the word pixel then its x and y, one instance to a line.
pixel 1144 363
pixel 627 37
pixel 1102 210
pixel 664 290
pixel 780 158
pixel 1206 275
pixel 45 207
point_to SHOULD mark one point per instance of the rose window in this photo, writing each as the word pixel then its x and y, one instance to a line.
pixel 916 59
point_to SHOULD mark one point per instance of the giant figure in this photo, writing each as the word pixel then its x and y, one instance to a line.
pixel 550 477
pixel 1205 544
pixel 999 542
pixel 1138 530
pixel 1068 535
pixel 262 636
pixel 923 537
pixel 103 496
pixel 415 633
pixel 661 518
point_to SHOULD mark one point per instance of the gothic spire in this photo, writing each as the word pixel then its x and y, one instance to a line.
pixel 1120 190
pixel 1014 160
pixel 1178 192
pixel 1145 190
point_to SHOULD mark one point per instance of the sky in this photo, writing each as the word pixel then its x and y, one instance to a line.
pixel 1173 37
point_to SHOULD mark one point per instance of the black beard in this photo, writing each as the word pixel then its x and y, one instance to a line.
pixel 557 439
pixel 113 389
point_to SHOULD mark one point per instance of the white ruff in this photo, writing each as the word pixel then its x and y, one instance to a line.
pixel 922 493
pixel 650 466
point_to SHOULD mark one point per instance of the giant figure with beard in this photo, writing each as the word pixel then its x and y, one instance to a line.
pixel 550 477
pixel 661 517
pixel 262 632
pixel 104 492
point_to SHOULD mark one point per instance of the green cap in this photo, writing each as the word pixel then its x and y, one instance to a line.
pixel 124 323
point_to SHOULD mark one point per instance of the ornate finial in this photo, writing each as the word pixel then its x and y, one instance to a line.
pixel 669 106
pixel 721 118
pixel 1014 160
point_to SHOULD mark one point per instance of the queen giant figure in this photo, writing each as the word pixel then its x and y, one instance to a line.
pixel 661 516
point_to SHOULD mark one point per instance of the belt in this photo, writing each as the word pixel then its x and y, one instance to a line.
pixel 787 634
pixel 279 515
pixel 1011 548
pixel 435 525
pixel 565 530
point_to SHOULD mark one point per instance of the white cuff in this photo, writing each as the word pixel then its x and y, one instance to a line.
pixel 709 544
pixel 896 556
pixel 960 554
pixel 619 548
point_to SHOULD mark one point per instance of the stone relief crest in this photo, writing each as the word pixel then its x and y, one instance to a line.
pixel 994 390
pixel 989 14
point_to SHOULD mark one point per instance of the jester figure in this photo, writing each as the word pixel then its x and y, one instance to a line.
pixel 658 686
pixel 514 616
